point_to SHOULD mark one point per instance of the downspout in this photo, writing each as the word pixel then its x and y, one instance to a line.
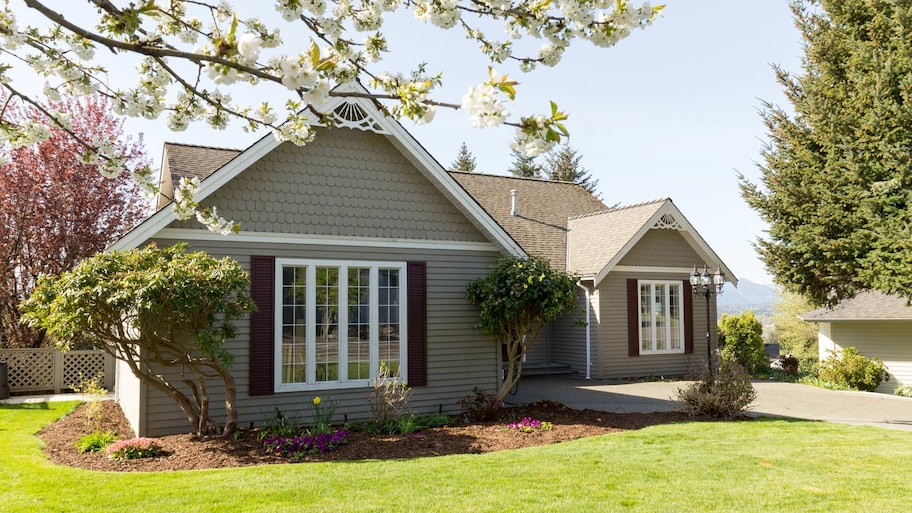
pixel 588 330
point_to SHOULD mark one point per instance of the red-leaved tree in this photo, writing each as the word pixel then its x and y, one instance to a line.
pixel 56 209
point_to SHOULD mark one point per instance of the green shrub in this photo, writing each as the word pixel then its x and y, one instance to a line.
pixel 96 441
pixel 849 369
pixel 725 395
pixel 741 337
pixel 479 406
pixel 905 391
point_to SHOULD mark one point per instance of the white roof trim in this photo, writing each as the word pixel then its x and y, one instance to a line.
pixel 687 231
pixel 400 137
pixel 323 240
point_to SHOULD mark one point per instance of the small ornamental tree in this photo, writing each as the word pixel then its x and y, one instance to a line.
pixel 741 338
pixel 516 298
pixel 166 312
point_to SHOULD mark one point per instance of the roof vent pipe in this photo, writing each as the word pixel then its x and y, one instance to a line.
pixel 513 194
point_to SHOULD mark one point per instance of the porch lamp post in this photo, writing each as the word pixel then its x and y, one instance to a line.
pixel 706 285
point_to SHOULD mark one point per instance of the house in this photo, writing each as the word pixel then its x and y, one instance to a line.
pixel 364 219
pixel 878 325
pixel 634 264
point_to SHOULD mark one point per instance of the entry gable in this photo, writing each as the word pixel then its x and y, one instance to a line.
pixel 598 242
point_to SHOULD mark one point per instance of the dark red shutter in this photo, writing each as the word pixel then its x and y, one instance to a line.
pixel 262 325
pixel 416 294
pixel 633 318
pixel 688 318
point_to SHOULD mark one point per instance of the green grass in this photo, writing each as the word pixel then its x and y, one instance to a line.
pixel 763 465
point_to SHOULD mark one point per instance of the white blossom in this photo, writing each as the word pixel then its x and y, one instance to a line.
pixel 484 107
pixel 249 46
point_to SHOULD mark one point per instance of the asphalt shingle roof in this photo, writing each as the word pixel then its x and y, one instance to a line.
pixel 871 305
pixel 543 208
pixel 595 239
pixel 185 160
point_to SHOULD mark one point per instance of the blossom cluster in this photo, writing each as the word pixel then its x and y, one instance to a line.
pixel 134 448
pixel 189 52
pixel 299 446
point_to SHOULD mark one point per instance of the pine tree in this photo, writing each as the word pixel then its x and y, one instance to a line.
pixel 564 165
pixel 465 161
pixel 836 176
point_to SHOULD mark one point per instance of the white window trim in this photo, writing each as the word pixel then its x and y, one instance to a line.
pixel 343 266
pixel 653 283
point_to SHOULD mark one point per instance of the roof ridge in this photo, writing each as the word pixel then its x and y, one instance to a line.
pixel 514 177
pixel 201 146
pixel 623 207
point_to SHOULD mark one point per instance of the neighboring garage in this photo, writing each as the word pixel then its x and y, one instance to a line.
pixel 878 325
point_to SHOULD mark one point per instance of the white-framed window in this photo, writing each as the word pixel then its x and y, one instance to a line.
pixel 337 321
pixel 661 316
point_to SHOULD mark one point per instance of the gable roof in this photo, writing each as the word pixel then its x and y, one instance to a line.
pixel 598 241
pixel 349 106
pixel 543 207
pixel 188 161
pixel 866 306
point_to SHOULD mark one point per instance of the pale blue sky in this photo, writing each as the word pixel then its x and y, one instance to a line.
pixel 671 111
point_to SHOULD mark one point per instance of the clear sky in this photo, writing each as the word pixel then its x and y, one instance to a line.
pixel 672 111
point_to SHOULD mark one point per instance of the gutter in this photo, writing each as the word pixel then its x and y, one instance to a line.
pixel 588 329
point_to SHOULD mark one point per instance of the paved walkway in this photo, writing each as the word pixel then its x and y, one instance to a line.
pixel 773 399
pixel 45 398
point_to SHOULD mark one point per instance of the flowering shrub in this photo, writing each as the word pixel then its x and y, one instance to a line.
pixel 299 446
pixel 134 448
pixel 528 425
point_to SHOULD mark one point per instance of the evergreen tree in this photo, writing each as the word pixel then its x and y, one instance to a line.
pixel 564 165
pixel 836 176
pixel 465 161
pixel 525 167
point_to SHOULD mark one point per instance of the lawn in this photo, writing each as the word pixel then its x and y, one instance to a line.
pixel 763 465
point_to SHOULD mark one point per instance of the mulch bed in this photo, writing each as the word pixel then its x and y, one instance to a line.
pixel 187 452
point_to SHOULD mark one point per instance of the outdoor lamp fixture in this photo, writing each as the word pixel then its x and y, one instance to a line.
pixel 706 285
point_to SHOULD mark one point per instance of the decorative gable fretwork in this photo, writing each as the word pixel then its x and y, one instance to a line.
pixel 351 115
pixel 667 222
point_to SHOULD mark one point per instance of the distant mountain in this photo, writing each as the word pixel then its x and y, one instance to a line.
pixel 748 296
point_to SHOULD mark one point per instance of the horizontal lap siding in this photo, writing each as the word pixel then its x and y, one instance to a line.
pixel 459 357
pixel 889 341
pixel 614 361
pixel 568 340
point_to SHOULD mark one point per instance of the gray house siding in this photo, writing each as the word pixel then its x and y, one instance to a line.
pixel 663 249
pixel 459 357
pixel 568 344
pixel 348 195
pixel 345 183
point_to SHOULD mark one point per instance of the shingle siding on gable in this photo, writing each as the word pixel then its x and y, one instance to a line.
pixel 663 248
pixel 344 183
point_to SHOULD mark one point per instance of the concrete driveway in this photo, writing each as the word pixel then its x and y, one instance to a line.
pixel 773 399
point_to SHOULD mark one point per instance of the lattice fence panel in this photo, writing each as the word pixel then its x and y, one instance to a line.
pixel 29 369
pixel 81 366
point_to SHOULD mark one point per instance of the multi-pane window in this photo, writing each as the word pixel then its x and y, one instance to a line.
pixel 661 317
pixel 338 321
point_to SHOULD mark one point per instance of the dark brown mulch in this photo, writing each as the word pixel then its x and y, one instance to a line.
pixel 186 452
